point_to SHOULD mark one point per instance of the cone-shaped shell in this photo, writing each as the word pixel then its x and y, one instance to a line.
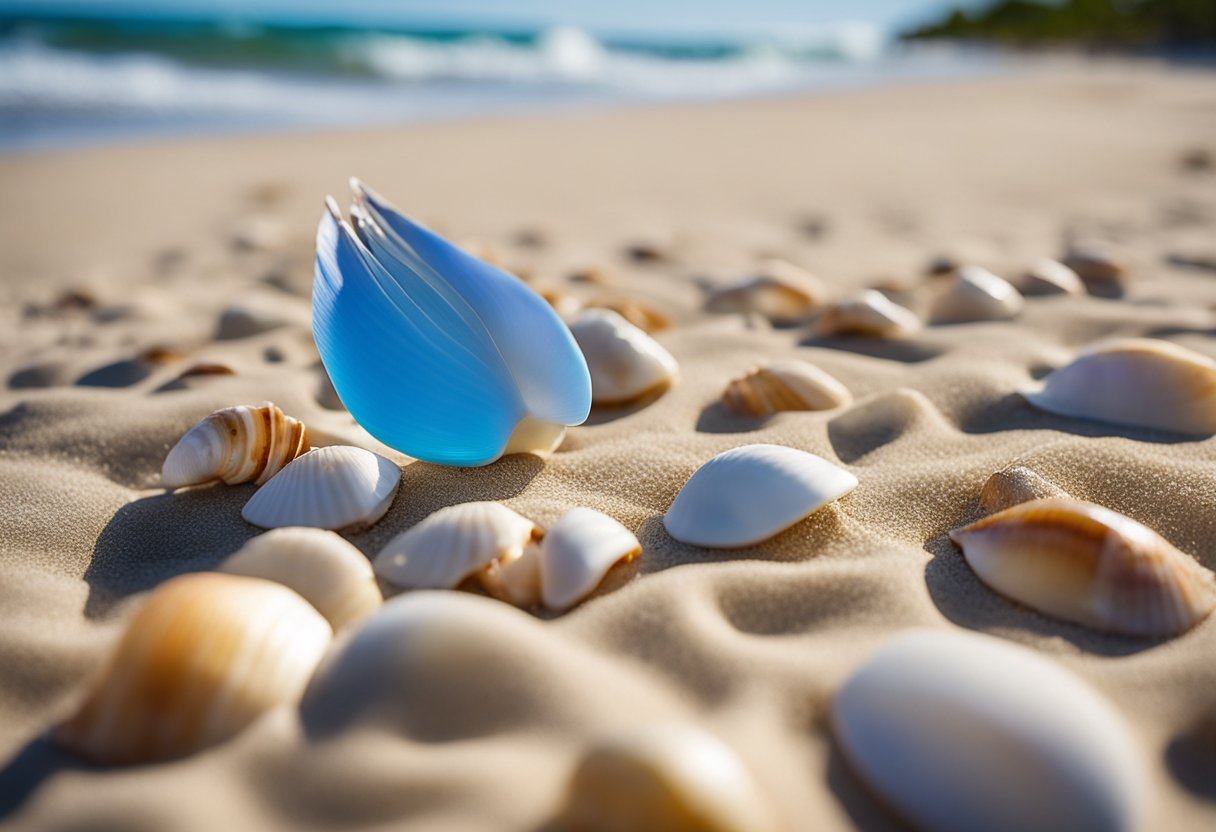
pixel 336 487
pixel 577 553
pixel 870 314
pixel 624 361
pixel 1013 485
pixel 454 543
pixel 960 732
pixel 668 777
pixel 748 494
pixel 325 569
pixel 976 294
pixel 1050 277
pixel 780 291
pixel 202 658
pixel 1140 382
pixel 784 385
pixel 1083 563
pixel 235 445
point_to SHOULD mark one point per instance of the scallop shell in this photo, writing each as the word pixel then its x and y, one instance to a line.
pixel 1140 382
pixel 336 487
pixel 785 385
pixel 1101 265
pixel 1083 563
pixel 870 314
pixel 235 445
pixel 1013 485
pixel 625 363
pixel 577 552
pixel 748 494
pixel 780 291
pixel 664 776
pixel 961 732
pixel 330 573
pixel 202 658
pixel 1050 277
pixel 455 543
pixel 976 294
pixel 436 353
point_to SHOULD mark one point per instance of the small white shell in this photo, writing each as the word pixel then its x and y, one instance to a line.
pixel 748 494
pixel 1013 485
pixel 976 294
pixel 329 572
pixel 870 314
pixel 780 291
pixel 961 732
pixel 517 580
pixel 577 553
pixel 336 487
pixel 1136 381
pixel 1050 277
pixel 235 445
pixel 785 385
pixel 624 361
pixel 1100 264
pixel 454 543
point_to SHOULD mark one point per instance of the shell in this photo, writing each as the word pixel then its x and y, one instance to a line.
pixel 1139 382
pixel 577 553
pixel 235 445
pixel 1050 277
pixel 516 581
pixel 780 291
pixel 436 353
pixel 785 385
pixel 961 732
pixel 626 363
pixel 869 314
pixel 1013 485
pixel 643 316
pixel 1101 265
pixel 976 294
pixel 454 543
pixel 330 573
pixel 749 494
pixel 202 658
pixel 666 776
pixel 336 487
pixel 1083 563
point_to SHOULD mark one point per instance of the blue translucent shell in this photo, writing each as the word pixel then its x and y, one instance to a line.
pixel 435 352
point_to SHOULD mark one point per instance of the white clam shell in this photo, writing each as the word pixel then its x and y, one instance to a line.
pixel 1140 382
pixel 327 570
pixel 454 543
pixel 624 361
pixel 336 487
pixel 780 291
pixel 749 494
pixel 235 445
pixel 976 294
pixel 961 732
pixel 870 314
pixel 785 385
pixel 202 658
pixel 577 553
pixel 1050 277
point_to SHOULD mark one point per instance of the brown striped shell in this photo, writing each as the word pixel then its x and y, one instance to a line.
pixel 235 445
pixel 784 385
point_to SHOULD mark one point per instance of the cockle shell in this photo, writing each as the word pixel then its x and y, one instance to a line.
pixel 455 543
pixel 336 487
pixel 748 494
pixel 780 291
pixel 235 445
pixel 1083 563
pixel 869 314
pixel 1050 277
pixel 1013 485
pixel 436 353
pixel 976 294
pixel 665 776
pixel 1140 382
pixel 1101 265
pixel 785 385
pixel 961 732
pixel 202 658
pixel 625 363
pixel 577 552
pixel 325 569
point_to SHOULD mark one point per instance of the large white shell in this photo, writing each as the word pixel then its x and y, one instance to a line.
pixel 1050 277
pixel 235 445
pixel 1090 565
pixel 202 658
pixel 780 291
pixel 976 294
pixel 328 571
pixel 577 552
pixel 785 385
pixel 961 732
pixel 624 361
pixel 748 494
pixel 1136 381
pixel 336 487
pixel 870 314
pixel 454 543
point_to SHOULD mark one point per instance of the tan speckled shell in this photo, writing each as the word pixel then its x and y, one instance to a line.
pixel 1013 485
pixel 235 445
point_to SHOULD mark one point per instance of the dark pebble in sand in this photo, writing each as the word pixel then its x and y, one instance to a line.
pixel 646 253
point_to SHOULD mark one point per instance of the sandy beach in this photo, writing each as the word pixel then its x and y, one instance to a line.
pixel 121 267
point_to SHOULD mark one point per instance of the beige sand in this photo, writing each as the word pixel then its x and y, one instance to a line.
pixel 751 643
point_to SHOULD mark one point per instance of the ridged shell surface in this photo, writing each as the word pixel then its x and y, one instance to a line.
pixel 748 494
pixel 336 487
pixel 780 291
pixel 201 659
pixel 960 732
pixel 976 294
pixel 624 361
pixel 1050 277
pixel 235 445
pixel 782 386
pixel 871 314
pixel 1087 564
pixel 577 552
